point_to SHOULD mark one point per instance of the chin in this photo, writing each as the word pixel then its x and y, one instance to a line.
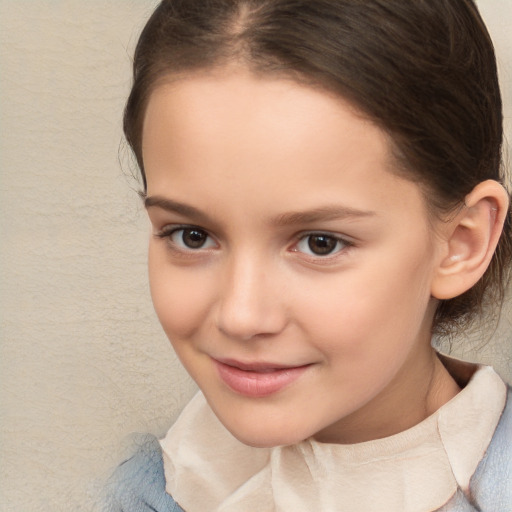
pixel 265 441
pixel 260 423
pixel 260 436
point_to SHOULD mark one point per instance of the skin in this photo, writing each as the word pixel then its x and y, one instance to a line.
pixel 244 160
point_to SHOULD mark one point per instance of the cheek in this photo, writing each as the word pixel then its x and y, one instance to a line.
pixel 372 310
pixel 181 295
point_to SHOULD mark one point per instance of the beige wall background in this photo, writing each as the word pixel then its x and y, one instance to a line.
pixel 83 362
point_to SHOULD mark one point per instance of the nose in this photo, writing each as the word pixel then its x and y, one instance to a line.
pixel 251 302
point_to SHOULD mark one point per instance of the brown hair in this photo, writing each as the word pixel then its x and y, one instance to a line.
pixel 423 70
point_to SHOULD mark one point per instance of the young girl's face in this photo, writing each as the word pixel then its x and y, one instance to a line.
pixel 289 267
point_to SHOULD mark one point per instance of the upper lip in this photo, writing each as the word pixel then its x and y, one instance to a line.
pixel 257 366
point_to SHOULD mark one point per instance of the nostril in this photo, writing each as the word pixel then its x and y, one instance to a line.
pixel 245 321
pixel 249 303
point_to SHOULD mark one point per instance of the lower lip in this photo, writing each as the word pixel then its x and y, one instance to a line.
pixel 258 384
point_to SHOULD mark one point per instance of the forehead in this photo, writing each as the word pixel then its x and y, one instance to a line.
pixel 240 105
pixel 265 136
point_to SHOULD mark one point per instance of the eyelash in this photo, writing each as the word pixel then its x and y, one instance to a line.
pixel 338 240
pixel 342 245
pixel 167 234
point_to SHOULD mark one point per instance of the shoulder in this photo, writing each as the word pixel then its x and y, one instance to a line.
pixel 138 484
pixel 491 483
pixel 490 486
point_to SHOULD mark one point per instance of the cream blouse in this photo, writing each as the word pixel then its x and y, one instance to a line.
pixel 417 470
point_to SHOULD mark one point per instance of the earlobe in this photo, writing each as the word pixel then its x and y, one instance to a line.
pixel 470 240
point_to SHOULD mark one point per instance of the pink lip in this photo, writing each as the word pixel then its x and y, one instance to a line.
pixel 257 379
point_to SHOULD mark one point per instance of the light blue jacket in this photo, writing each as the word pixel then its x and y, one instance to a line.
pixel 139 483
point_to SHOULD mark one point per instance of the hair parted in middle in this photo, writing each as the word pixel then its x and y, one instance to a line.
pixel 422 70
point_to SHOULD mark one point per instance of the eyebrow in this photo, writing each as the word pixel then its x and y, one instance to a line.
pixel 175 207
pixel 324 213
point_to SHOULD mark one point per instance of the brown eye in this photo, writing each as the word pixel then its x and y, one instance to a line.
pixel 193 238
pixel 320 244
pixel 190 238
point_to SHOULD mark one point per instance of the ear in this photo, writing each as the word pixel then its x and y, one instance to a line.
pixel 470 239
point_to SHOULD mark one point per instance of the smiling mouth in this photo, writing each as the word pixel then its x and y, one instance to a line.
pixel 257 379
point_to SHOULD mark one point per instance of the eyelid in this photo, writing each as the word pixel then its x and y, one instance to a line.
pixel 344 240
pixel 324 232
pixel 168 230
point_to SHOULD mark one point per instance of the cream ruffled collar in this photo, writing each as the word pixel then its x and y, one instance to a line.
pixel 417 470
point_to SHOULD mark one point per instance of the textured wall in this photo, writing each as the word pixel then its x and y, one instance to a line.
pixel 83 362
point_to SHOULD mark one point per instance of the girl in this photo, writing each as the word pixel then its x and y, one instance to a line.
pixel 323 183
